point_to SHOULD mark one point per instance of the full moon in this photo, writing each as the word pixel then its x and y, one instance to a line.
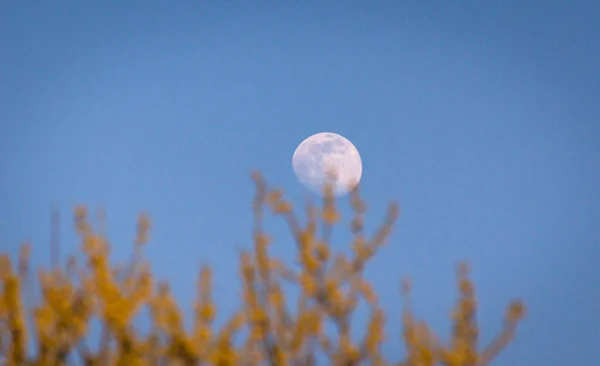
pixel 316 156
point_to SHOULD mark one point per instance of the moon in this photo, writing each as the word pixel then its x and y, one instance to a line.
pixel 321 152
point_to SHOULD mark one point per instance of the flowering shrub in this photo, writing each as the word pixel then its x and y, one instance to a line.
pixel 330 286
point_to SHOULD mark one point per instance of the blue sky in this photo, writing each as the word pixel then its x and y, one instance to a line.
pixel 481 119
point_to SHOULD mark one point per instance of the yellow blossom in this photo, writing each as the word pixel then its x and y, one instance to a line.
pixel 273 324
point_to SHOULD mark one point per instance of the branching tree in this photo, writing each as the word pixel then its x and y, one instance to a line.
pixel 274 331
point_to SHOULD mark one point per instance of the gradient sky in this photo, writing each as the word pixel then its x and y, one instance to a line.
pixel 481 119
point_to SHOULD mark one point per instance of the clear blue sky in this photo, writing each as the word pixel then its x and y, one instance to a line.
pixel 481 119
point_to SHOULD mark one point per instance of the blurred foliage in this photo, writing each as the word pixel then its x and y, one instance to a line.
pixel 265 329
